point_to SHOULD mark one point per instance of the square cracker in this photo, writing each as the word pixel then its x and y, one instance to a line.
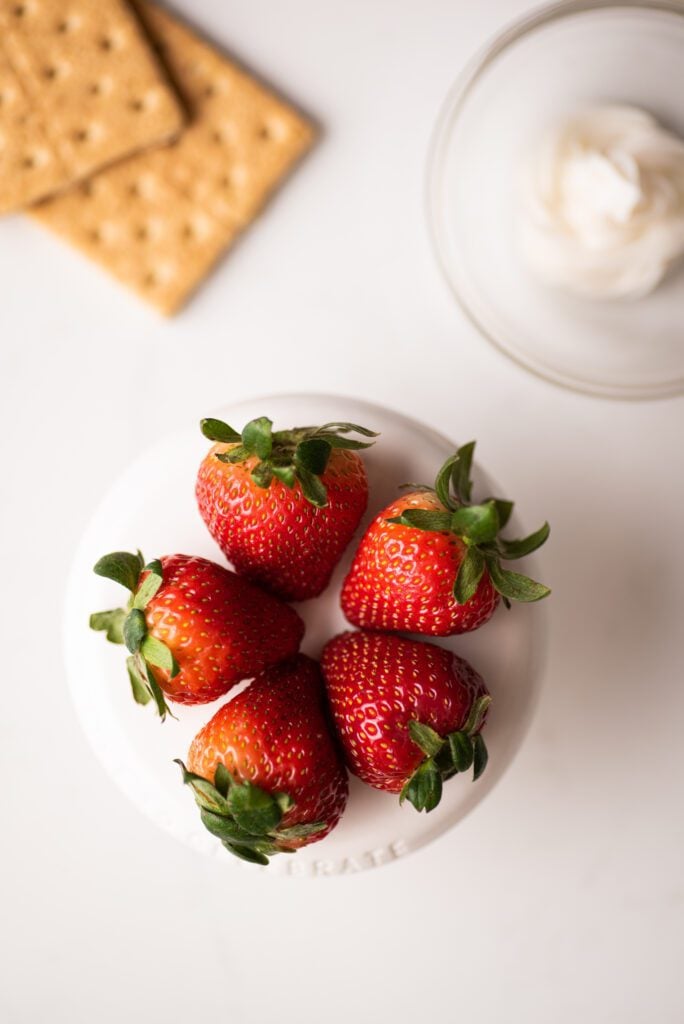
pixel 161 220
pixel 80 87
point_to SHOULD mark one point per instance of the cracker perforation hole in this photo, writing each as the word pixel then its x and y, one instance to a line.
pixel 101 87
pixel 142 103
pixel 274 130
pixel 50 73
pixel 39 158
pixel 106 44
pixel 19 10
pixel 225 134
pixel 81 135
pixel 150 279
pixel 142 233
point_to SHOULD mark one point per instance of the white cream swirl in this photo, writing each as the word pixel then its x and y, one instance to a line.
pixel 603 211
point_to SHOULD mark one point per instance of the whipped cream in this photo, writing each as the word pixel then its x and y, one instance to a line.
pixel 603 210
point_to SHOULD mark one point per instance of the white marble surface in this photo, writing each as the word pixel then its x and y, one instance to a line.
pixel 561 897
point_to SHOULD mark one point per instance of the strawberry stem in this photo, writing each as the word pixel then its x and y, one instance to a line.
pixel 478 527
pixel 300 455
pixel 245 817
pixel 129 626
pixel 446 756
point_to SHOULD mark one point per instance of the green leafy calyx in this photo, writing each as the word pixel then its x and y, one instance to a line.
pixel 128 626
pixel 246 818
pixel 446 756
pixel 478 526
pixel 293 456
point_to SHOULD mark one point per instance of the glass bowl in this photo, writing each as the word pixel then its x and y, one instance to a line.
pixel 552 62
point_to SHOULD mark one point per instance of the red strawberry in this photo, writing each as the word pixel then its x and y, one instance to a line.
pixel 431 562
pixel 283 506
pixel 408 713
pixel 265 770
pixel 194 629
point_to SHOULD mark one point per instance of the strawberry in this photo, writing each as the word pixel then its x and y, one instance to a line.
pixel 193 628
pixel 408 713
pixel 431 562
pixel 265 770
pixel 283 506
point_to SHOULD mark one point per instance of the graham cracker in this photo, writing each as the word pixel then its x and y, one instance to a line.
pixel 80 87
pixel 161 220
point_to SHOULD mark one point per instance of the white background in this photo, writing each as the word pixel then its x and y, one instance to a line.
pixel 561 897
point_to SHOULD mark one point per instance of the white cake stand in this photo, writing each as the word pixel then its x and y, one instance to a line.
pixel 152 507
